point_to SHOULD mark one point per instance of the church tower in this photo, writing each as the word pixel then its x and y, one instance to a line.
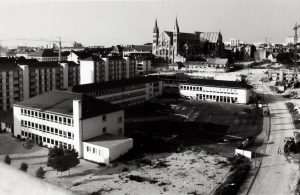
pixel 155 37
pixel 175 39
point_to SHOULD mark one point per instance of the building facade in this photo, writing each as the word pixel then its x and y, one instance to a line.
pixel 284 75
pixel 124 92
pixel 216 90
pixel 95 69
pixel 66 119
pixel 212 65
pixel 174 45
pixel 22 79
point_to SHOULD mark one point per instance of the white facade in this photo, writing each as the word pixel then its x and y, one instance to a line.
pixel 69 131
pixel 215 93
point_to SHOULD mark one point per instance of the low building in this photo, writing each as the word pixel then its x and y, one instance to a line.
pixel 46 55
pixel 67 119
pixel 212 65
pixel 124 92
pixel 216 90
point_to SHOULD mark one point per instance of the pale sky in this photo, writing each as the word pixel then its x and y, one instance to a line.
pixel 131 22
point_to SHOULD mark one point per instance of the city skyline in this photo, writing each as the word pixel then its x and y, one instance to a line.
pixel 131 22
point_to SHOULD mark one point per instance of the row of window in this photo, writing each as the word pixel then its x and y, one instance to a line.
pixel 217 98
pixel 47 129
pixel 124 96
pixel 48 117
pixel 41 139
pixel 197 88
pixel 93 150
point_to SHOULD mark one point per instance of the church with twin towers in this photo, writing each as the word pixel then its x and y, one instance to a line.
pixel 177 46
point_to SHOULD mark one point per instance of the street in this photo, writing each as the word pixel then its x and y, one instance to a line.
pixel 278 173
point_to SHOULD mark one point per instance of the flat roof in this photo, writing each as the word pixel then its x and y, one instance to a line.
pixel 113 84
pixel 219 83
pixel 62 102
pixel 107 140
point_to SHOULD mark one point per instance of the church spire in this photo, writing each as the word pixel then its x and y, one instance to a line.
pixel 156 30
pixel 176 27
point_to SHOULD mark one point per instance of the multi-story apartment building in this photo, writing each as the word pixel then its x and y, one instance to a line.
pixel 123 92
pixel 72 120
pixel 11 84
pixel 96 69
pixel 143 65
pixel 41 77
pixel 216 90
pixel 284 75
pixel 21 78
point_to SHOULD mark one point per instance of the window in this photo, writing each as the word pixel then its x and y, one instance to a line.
pixel 22 133
pixel 64 120
pixel 88 148
pixel 22 110
pixel 104 130
pixel 44 139
pixel 48 140
pixel 120 119
pixel 104 118
pixel 22 123
pixel 52 141
pixel 56 131
pixel 60 132
pixel 94 150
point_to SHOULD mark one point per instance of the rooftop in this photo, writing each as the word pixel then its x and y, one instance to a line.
pixel 37 64
pixel 113 84
pixel 62 102
pixel 107 140
pixel 219 83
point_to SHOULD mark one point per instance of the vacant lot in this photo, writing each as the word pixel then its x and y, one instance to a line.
pixel 176 151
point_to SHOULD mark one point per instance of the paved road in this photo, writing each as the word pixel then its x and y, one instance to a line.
pixel 278 173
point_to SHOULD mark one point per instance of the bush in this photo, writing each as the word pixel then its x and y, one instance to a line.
pixel 239 171
pixel 40 173
pixel 7 159
pixel 23 167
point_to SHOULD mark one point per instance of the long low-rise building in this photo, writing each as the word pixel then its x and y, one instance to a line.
pixel 73 120
pixel 216 90
pixel 124 92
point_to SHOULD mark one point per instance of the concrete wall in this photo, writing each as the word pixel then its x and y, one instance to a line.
pixel 93 127
pixel 87 72
pixel 116 151
pixel 101 154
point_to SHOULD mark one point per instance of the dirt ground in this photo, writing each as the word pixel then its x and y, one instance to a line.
pixel 194 170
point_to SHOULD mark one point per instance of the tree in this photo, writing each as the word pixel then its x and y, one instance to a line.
pixel 40 173
pixel 7 159
pixel 28 145
pixel 62 159
pixel 71 156
pixel 23 167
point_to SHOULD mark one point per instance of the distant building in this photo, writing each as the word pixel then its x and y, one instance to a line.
pixel 284 75
pixel 45 55
pixel 137 50
pixel 234 42
pixel 96 69
pixel 92 127
pixel 216 90
pixel 123 92
pixel 212 65
pixel 175 46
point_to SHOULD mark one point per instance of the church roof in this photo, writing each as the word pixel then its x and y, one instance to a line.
pixel 188 37
pixel 209 36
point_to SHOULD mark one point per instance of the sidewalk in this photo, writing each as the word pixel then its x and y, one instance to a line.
pixel 263 138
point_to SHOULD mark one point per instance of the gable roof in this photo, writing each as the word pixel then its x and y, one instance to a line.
pixel 188 37
pixel 36 65
pixel 209 36
pixel 62 102
pixel 138 48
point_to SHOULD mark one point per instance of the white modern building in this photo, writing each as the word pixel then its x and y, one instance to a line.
pixel 123 92
pixel 216 90
pixel 73 120
pixel 98 69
